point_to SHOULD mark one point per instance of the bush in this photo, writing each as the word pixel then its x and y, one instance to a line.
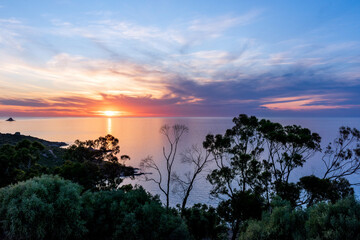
pixel 204 222
pixel 130 215
pixel 325 221
pixel 46 207
pixel 334 221
pixel 283 223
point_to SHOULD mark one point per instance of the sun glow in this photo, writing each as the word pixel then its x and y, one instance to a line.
pixel 110 113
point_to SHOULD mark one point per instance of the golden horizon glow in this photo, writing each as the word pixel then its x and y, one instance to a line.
pixel 109 113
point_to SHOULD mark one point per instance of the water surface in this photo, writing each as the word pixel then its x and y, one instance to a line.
pixel 140 137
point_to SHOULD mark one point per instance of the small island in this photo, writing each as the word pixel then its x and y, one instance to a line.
pixel 10 120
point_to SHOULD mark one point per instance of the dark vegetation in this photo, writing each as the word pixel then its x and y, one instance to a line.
pixel 77 193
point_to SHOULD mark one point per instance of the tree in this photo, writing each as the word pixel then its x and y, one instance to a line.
pixel 133 214
pixel 342 157
pixel 287 147
pixel 318 190
pixel 239 175
pixel 334 221
pixel 282 223
pixel 19 162
pixel 46 207
pixel 197 161
pixel 325 220
pixel 204 222
pixel 257 157
pixel 173 135
pixel 95 164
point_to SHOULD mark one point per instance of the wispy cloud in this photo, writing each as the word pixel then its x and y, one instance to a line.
pixel 307 102
pixel 81 68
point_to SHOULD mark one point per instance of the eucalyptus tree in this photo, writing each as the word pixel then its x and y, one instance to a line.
pixel 237 181
pixel 173 135
pixel 255 159
pixel 341 160
pixel 196 160
pixel 19 162
pixel 342 156
pixel 95 164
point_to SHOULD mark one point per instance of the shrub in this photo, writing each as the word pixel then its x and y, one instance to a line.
pixel 46 207
pixel 283 223
pixel 130 215
pixel 334 221
pixel 204 222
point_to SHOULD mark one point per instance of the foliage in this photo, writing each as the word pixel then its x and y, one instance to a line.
pixel 44 207
pixel 318 190
pixel 94 164
pixel 342 157
pixel 334 221
pixel 50 207
pixel 204 223
pixel 19 162
pixel 241 207
pixel 283 223
pixel 130 215
pixel 241 170
pixel 326 221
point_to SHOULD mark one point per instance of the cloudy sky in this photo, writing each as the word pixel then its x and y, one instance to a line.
pixel 180 58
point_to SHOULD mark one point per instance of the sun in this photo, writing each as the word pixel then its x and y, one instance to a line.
pixel 110 113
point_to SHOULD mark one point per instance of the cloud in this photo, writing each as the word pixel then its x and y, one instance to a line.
pixel 170 70
pixel 215 26
pixel 307 102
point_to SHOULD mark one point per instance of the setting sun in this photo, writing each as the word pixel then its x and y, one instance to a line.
pixel 110 113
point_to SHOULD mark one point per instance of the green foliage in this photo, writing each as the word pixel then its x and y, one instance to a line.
pixel 288 191
pixel 283 223
pixel 86 173
pixel 50 207
pixel 242 172
pixel 334 221
pixel 204 223
pixel 130 215
pixel 94 164
pixel 44 207
pixel 243 206
pixel 326 221
pixel 19 162
pixel 318 190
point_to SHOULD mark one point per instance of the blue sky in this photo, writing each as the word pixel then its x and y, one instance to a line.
pixel 180 58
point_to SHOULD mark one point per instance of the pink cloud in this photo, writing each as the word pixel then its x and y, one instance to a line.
pixel 306 102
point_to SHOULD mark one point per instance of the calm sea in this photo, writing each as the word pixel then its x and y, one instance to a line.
pixel 140 137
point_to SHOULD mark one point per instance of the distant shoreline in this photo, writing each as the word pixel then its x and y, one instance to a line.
pixel 12 139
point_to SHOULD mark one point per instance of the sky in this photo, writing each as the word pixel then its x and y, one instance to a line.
pixel 180 58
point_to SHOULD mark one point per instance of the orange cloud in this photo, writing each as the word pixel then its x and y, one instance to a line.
pixel 306 102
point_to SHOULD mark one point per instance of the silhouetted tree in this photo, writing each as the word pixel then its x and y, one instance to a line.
pixel 342 157
pixel 239 153
pixel 94 164
pixel 204 222
pixel 318 190
pixel 197 161
pixel 239 173
pixel 173 135
pixel 19 162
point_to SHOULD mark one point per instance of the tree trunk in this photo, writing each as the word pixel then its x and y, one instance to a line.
pixel 235 230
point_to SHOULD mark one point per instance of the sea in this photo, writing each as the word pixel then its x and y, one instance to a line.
pixel 140 138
